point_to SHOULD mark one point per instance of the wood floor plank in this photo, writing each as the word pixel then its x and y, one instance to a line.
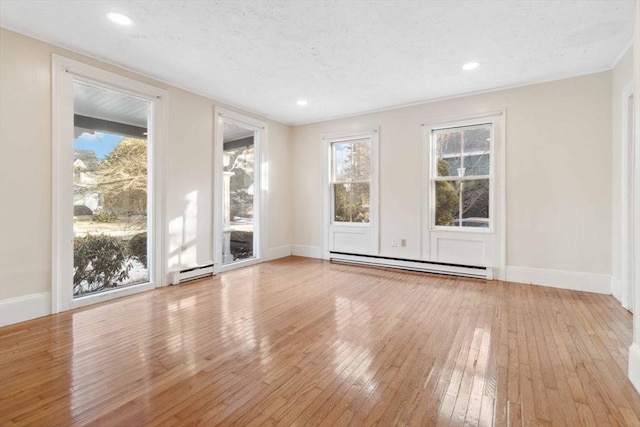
pixel 307 342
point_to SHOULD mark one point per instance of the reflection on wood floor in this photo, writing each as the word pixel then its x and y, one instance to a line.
pixel 306 342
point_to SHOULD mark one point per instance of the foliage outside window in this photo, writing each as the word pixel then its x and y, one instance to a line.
pixel 110 190
pixel 462 176
pixel 241 182
pixel 351 180
pixel 110 244
pixel 241 201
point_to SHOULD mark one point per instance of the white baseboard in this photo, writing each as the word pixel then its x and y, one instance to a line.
pixel 616 288
pixel 306 251
pixel 574 280
pixel 634 365
pixel 27 307
pixel 279 252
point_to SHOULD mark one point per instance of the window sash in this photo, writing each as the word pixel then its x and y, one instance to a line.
pixel 434 178
pixel 334 163
pixel 336 181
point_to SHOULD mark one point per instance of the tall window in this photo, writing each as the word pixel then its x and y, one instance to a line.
pixel 238 201
pixel 461 174
pixel 110 190
pixel 351 180
pixel 238 198
pixel 107 145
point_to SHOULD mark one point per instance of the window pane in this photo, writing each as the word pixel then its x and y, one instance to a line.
pixel 341 162
pixel 448 152
pixel 476 151
pixel 238 194
pixel 360 155
pixel 351 202
pixel 447 202
pixel 110 203
pixel 460 153
pixel 351 160
pixel 475 203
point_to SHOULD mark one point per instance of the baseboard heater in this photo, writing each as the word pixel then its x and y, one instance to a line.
pixel 413 265
pixel 192 273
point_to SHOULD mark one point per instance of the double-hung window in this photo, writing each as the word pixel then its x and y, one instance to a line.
pixel 461 176
pixel 351 181
pixel 351 192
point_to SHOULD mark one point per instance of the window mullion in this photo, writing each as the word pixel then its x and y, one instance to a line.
pixel 461 157
pixel 460 178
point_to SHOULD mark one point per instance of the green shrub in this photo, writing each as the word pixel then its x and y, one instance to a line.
pixel 138 248
pixel 106 215
pixel 101 261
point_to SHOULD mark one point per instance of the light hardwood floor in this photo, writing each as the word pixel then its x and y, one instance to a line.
pixel 306 342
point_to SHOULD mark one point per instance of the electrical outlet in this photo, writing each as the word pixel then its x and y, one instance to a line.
pixel 394 243
pixel 403 243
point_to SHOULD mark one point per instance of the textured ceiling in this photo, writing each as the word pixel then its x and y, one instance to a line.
pixel 344 57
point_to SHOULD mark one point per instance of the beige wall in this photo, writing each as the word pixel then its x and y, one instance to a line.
pixel 558 164
pixel 25 168
pixel 558 150
pixel 621 77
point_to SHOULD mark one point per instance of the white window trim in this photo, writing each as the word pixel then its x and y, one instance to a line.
pixel 433 179
pixel 627 171
pixel 498 167
pixel 64 72
pixel 328 139
pixel 261 182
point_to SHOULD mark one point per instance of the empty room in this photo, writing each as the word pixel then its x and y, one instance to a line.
pixel 336 213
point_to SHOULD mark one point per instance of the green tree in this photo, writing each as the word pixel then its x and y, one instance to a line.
pixel 352 190
pixel 122 177
pixel 447 198
pixel 475 199
pixel 241 164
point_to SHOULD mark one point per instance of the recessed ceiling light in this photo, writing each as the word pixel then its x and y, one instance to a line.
pixel 470 66
pixel 119 18
pixel 302 102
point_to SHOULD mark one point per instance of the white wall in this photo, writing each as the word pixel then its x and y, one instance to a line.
pixel 621 77
pixel 634 350
pixel 25 170
pixel 558 176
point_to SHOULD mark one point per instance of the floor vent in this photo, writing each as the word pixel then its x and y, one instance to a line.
pixel 192 273
pixel 413 265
